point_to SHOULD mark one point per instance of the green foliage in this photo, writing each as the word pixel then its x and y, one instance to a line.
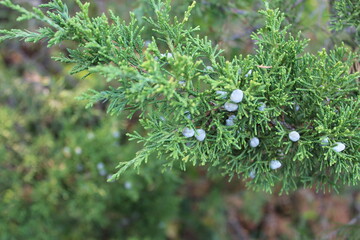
pixel 55 160
pixel 347 14
pixel 174 82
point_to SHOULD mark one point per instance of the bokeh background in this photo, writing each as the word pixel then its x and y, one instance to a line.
pixel 56 156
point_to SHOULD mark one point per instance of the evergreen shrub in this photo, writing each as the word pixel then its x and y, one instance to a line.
pixel 281 115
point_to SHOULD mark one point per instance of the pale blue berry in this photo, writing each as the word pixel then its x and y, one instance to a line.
pixel 252 174
pixel 128 185
pixel 262 107
pixel 249 73
pixel 100 165
pixel 229 122
pixel 200 134
pixel 78 150
pixel 101 168
pixel 254 142
pixel 116 134
pixel 209 68
pixel 90 135
pixel 222 94
pixel 188 132
pixel 275 164
pixel 324 141
pixel 237 96
pixel 294 136
pixel 339 147
pixel 230 107
pixel 102 172
pixel 67 151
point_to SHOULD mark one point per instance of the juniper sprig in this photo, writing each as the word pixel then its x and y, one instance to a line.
pixel 347 15
pixel 263 116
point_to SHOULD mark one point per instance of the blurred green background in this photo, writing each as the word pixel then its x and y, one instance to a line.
pixel 56 156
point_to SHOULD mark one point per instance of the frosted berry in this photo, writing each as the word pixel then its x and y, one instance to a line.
pixel 222 94
pixel 252 174
pixel 115 134
pixel 249 73
pixel 339 147
pixel 237 96
pixel 100 165
pixel 275 164
pixel 78 150
pixel 294 136
pixel 254 142
pixel 324 141
pixel 188 132
pixel 231 107
pixel 102 172
pixel 101 168
pixel 200 134
pixel 209 68
pixel 90 135
pixel 229 122
pixel 128 185
pixel 262 107
pixel 67 151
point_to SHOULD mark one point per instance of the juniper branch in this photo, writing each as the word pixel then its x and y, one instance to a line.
pixel 278 116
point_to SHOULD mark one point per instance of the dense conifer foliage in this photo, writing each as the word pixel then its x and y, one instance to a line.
pixel 281 115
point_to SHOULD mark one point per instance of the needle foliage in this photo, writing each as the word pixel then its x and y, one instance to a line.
pixel 347 14
pixel 181 80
